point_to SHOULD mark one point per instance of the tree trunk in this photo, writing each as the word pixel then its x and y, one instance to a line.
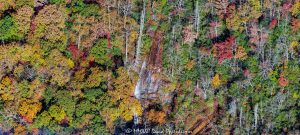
pixel 79 40
pixel 197 18
pixel 255 115
pixel 126 47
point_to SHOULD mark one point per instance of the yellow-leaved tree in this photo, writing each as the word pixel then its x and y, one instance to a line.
pixel 216 82
pixel 240 53
pixel 28 109
pixel 48 28
pixel 296 8
pixel 59 67
pixel 122 97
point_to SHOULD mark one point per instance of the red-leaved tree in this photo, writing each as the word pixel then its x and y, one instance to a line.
pixel 273 23
pixel 295 25
pixel 224 49
pixel 283 81
pixel 75 52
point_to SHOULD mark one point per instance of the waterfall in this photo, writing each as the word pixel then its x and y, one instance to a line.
pixel 148 83
pixel 137 90
pixel 138 86
pixel 135 118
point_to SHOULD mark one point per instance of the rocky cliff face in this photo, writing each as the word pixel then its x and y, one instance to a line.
pixel 148 83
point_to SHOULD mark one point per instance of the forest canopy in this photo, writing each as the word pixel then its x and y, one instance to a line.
pixel 106 66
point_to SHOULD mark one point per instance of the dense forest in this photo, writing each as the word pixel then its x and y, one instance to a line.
pixel 88 67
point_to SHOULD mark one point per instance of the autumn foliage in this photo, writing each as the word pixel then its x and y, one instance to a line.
pixel 283 81
pixel 75 52
pixel 225 49
pixel 157 116
pixel 295 25
pixel 273 23
pixel 85 67
pixel 216 81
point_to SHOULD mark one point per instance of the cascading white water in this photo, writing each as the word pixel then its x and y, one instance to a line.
pixel 137 90
pixel 135 118
pixel 138 86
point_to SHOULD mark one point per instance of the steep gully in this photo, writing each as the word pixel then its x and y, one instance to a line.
pixel 147 86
